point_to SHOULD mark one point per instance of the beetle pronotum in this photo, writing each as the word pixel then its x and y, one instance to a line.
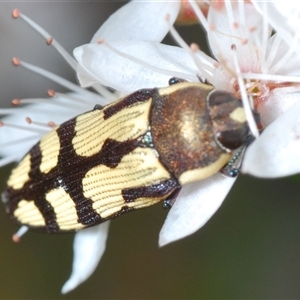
pixel 130 154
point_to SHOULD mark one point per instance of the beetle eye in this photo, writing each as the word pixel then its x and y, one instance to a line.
pixel 175 80
pixel 233 139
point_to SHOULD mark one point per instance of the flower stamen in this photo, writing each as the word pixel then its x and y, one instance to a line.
pixel 49 39
pixel 52 94
pixel 19 102
pixel 63 82
pixel 68 58
pixel 244 96
pixel 17 236
pixel 204 66
pixel 202 19
pixel 271 77
pixel 42 124
pixel 23 128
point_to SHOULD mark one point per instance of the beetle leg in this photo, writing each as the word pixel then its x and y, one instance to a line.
pixel 168 203
pixel 232 168
pixel 203 80
pixel 97 106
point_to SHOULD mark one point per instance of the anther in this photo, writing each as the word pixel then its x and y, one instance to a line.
pixel 217 5
pixel 49 40
pixel 216 64
pixel 253 28
pixel 15 13
pixel 167 17
pixel 235 84
pixel 17 236
pixel 233 47
pixel 16 102
pixel 223 61
pixel 1 124
pixel 49 124
pixel 100 41
pixel 15 61
pixel 235 25
pixel 212 26
pixel 194 47
pixel 51 93
pixel 28 120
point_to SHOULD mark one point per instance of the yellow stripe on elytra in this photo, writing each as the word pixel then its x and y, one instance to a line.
pixel 104 185
pixel 50 147
pixel 202 173
pixel 27 213
pixel 92 130
pixel 20 175
pixel 180 86
pixel 64 208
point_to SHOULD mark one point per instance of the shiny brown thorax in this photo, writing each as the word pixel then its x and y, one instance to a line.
pixel 186 121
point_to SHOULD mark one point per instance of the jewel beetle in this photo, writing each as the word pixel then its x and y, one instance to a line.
pixel 127 155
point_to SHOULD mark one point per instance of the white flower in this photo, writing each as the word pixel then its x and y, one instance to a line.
pixel 249 62
pixel 126 55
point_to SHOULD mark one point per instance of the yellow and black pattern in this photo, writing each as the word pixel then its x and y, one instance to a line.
pixel 130 154
pixel 90 169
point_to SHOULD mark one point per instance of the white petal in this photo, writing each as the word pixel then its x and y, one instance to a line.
pixel 276 152
pixel 196 203
pixel 282 15
pixel 277 50
pixel 149 65
pixel 227 34
pixel 139 20
pixel 89 246
pixel 276 104
pixel 221 80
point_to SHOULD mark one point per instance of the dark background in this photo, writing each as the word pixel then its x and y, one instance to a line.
pixel 249 249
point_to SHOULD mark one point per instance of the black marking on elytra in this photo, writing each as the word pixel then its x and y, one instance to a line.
pixel 124 209
pixel 139 96
pixel 113 151
pixel 29 192
pixel 67 174
pixel 152 191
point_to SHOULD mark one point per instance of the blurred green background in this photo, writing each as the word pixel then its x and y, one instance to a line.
pixel 249 249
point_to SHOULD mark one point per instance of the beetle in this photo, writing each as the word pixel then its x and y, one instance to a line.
pixel 130 154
